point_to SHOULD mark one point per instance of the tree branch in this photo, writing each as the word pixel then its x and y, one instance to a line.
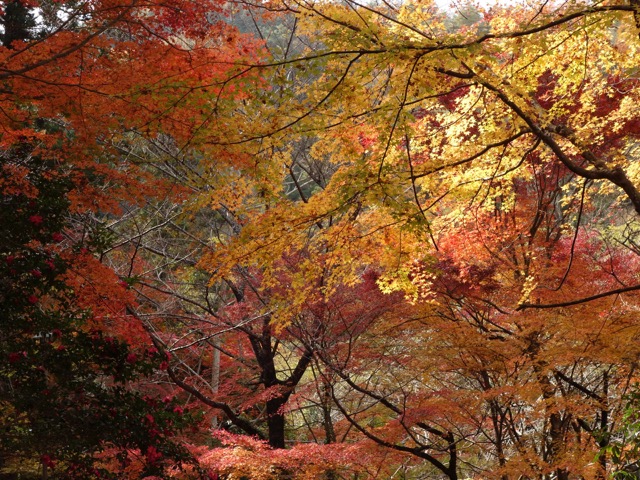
pixel 617 291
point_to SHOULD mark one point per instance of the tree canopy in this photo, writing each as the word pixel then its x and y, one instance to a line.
pixel 333 239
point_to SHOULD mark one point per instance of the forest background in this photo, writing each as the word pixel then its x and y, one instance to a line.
pixel 299 239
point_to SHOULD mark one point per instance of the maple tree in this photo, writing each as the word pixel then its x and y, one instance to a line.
pixel 374 237
pixel 467 165
pixel 231 356
pixel 79 79
pixel 66 390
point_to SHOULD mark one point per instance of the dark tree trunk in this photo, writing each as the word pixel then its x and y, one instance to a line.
pixel 276 422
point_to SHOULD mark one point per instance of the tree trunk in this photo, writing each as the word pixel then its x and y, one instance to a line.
pixel 276 422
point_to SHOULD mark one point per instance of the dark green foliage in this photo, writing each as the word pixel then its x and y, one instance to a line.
pixel 623 449
pixel 18 23
pixel 66 390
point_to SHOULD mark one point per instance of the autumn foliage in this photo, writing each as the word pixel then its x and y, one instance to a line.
pixel 294 239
